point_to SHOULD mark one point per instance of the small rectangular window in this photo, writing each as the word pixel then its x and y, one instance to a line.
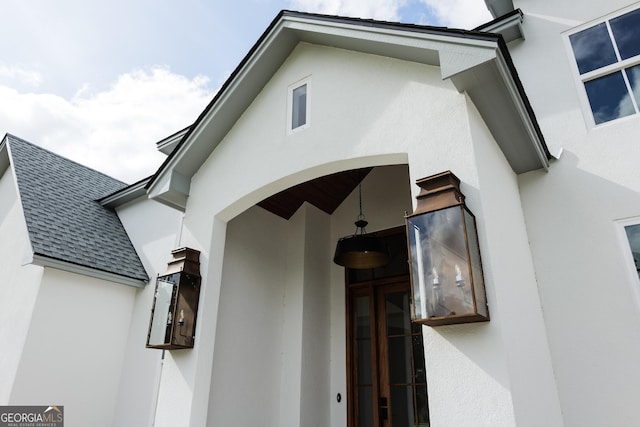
pixel 299 107
pixel 633 236
pixel 607 55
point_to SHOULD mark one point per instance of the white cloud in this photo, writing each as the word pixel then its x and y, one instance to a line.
pixel 386 10
pixel 21 74
pixel 466 14
pixel 113 131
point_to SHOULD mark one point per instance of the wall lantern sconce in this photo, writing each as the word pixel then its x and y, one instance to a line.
pixel 175 305
pixel 444 256
pixel 361 250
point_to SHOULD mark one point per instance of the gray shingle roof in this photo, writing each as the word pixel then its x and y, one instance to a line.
pixel 64 220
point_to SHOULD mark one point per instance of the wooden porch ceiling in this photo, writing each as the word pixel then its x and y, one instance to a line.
pixel 326 193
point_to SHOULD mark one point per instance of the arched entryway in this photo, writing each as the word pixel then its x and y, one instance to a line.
pixel 280 340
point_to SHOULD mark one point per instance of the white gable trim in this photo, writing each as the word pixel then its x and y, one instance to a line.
pixel 473 61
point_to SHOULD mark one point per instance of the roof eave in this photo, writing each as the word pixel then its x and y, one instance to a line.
pixel 459 53
pixel 509 26
pixel 127 194
pixel 499 7
pixel 45 261
pixel 168 144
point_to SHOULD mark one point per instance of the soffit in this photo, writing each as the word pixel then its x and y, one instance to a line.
pixel 325 193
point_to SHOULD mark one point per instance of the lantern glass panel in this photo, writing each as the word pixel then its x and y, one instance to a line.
pixel 476 265
pixel 441 276
pixel 166 287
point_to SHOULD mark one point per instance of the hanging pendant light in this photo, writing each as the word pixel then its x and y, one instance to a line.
pixel 360 250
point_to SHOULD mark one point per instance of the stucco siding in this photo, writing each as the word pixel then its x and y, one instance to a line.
pixel 365 110
pixel 75 347
pixel 590 302
pixel 153 229
pixel 19 286
pixel 249 356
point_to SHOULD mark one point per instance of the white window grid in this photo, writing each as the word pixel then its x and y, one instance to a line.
pixel 619 65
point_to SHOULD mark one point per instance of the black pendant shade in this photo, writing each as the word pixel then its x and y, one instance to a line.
pixel 360 250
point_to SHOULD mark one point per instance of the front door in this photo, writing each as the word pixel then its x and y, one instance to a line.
pixel 387 377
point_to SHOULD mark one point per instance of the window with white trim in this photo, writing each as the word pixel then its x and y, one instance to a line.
pixel 607 56
pixel 298 106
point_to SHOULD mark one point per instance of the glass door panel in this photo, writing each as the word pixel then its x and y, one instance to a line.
pixel 387 369
pixel 403 350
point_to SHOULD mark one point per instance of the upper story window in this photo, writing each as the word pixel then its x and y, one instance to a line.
pixel 632 232
pixel 299 111
pixel 608 60
pixel 298 107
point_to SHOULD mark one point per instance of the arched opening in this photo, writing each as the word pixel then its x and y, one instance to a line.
pixel 281 329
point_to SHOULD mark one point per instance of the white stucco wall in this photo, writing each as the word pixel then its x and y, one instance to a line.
pixel 19 287
pixel 589 300
pixel 152 228
pixel 75 347
pixel 247 365
pixel 365 111
pixel 272 335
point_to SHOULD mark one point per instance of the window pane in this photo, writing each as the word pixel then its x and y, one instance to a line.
pixel 420 372
pixel 299 109
pixel 364 362
pixel 633 235
pixel 609 98
pixel 633 74
pixel 423 406
pixel 363 318
pixel 398 314
pixel 400 370
pixel 592 48
pixel 365 407
pixel 402 406
pixel 626 31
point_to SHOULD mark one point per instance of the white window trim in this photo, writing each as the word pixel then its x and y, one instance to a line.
pixel 629 263
pixel 290 89
pixel 579 80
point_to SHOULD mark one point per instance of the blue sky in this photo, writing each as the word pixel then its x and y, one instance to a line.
pixel 101 82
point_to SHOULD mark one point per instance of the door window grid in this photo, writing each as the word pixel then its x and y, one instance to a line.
pixel 407 382
pixel 607 57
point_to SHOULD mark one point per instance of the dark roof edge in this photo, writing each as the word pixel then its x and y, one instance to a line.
pixel 217 96
pixel 502 45
pixel 9 135
pixel 497 20
pixel 49 261
pixel 329 18
pixel 166 143
pixel 127 194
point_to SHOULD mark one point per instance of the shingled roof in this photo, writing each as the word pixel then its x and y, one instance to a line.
pixel 66 225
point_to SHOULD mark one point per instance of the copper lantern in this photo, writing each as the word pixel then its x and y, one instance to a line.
pixel 444 256
pixel 175 304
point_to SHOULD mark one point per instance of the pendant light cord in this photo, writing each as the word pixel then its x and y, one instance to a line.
pixel 361 223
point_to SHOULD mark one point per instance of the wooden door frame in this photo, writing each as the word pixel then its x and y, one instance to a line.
pixel 371 288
